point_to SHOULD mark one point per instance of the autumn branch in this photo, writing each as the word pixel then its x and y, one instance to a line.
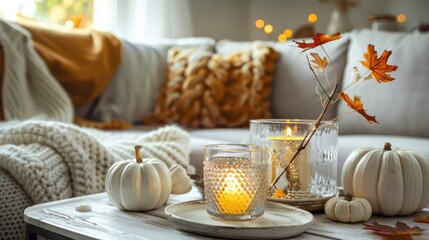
pixel 306 140
pixel 378 69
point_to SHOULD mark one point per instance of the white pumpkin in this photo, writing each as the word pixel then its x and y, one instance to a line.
pixel 395 182
pixel 138 185
pixel 181 183
pixel 348 209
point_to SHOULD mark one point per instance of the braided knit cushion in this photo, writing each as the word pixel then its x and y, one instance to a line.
pixel 203 89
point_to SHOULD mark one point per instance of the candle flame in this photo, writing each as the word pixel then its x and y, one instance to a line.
pixel 232 183
pixel 288 132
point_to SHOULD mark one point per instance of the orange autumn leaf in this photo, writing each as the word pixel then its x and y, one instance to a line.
pixel 357 105
pixel 378 65
pixel 318 40
pixel 279 194
pixel 319 63
pixel 400 229
pixel 422 219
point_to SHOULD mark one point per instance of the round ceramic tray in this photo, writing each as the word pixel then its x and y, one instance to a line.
pixel 311 204
pixel 278 221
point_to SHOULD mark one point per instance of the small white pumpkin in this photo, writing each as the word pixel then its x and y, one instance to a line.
pixel 348 209
pixel 138 185
pixel 395 182
pixel 181 182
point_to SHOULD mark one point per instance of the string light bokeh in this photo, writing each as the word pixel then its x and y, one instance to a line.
pixel 401 18
pixel 268 29
pixel 287 32
pixel 312 18
pixel 259 23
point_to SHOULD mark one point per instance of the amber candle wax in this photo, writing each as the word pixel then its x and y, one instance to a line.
pixel 235 184
pixel 298 174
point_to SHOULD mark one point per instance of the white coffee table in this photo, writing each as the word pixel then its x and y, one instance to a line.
pixel 60 220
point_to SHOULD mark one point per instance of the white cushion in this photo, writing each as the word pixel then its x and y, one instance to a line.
pixel 183 42
pixel 402 106
pixel 134 88
pixel 132 93
pixel 293 94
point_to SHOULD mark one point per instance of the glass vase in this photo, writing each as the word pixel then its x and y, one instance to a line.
pixel 313 173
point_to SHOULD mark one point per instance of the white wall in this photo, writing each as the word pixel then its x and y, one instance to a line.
pixel 234 19
pixel 417 11
pixel 221 19
pixel 285 14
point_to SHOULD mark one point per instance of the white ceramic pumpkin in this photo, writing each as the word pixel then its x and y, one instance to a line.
pixel 395 182
pixel 138 185
pixel 181 183
pixel 348 209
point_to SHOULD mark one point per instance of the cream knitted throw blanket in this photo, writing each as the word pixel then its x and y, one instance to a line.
pixel 29 89
pixel 42 161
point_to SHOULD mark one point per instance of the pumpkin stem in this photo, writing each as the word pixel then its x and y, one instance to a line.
pixel 137 153
pixel 387 146
pixel 348 197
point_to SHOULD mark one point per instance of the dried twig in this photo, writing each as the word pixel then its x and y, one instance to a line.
pixel 306 140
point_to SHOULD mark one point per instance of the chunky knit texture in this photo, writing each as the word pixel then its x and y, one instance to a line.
pixel 29 90
pixel 208 90
pixel 13 200
pixel 42 161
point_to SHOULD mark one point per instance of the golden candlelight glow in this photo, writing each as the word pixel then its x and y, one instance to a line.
pixel 233 198
pixel 312 18
pixel 288 132
pixel 298 173
pixel 259 23
pixel 288 33
pixel 401 18
pixel 268 29
pixel 282 38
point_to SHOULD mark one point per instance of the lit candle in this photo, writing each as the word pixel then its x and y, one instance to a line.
pixel 235 180
pixel 282 149
pixel 233 197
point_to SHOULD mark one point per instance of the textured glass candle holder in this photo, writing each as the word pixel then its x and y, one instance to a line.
pixel 235 180
pixel 313 174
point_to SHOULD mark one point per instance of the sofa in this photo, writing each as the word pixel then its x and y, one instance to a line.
pixel 401 107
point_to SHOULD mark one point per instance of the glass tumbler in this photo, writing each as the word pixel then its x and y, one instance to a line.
pixel 313 173
pixel 235 180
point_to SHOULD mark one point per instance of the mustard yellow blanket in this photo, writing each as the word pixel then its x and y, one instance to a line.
pixel 83 61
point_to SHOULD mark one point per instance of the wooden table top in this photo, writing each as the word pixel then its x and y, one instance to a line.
pixel 105 221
